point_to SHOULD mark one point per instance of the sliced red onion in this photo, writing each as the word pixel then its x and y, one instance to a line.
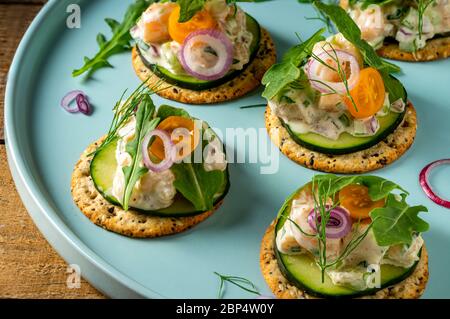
pixel 424 182
pixel 327 86
pixel 405 31
pixel 339 223
pixel 218 45
pixel 372 125
pixel 68 99
pixel 83 104
pixel 398 106
pixel 169 151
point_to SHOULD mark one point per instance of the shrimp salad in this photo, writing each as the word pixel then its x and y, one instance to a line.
pixel 410 22
pixel 335 94
pixel 214 42
pixel 353 244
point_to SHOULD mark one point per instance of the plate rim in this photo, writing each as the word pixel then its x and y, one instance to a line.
pixel 40 207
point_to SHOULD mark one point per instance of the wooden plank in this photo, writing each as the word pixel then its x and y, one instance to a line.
pixel 14 20
pixel 29 267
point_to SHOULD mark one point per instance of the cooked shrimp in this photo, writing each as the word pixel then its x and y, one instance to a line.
pixel 155 22
pixel 304 236
pixel 371 21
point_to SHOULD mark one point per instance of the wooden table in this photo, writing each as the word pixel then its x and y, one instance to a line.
pixel 29 267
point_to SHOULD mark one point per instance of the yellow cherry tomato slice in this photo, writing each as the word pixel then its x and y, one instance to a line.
pixel 179 31
pixel 368 94
pixel 355 198
pixel 183 133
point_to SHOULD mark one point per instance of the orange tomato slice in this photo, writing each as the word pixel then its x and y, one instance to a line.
pixel 185 143
pixel 179 31
pixel 368 94
pixel 355 198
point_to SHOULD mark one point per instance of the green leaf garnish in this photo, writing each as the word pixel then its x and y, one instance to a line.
pixel 144 124
pixel 197 185
pixel 188 8
pixel 397 222
pixel 288 70
pixel 119 42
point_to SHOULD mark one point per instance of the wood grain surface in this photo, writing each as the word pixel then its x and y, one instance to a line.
pixel 29 267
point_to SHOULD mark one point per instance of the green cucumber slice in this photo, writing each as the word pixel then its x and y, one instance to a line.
pixel 103 167
pixel 192 83
pixel 302 271
pixel 347 143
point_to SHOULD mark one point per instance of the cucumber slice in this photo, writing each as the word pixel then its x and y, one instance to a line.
pixel 192 83
pixel 347 143
pixel 302 271
pixel 103 167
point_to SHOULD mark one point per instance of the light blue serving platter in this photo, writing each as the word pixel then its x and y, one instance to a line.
pixel 44 143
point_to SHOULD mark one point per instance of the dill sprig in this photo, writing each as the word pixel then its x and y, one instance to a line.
pixel 422 6
pixel 253 106
pixel 322 195
pixel 240 282
pixel 320 16
pixel 124 110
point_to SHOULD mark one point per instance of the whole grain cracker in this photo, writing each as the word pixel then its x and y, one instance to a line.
pixel 245 82
pixel 435 49
pixel 113 218
pixel 411 288
pixel 378 156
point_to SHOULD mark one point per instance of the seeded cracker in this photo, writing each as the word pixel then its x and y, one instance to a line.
pixel 114 218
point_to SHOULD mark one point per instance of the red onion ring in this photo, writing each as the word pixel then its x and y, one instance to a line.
pixel 327 86
pixel 169 151
pixel 423 179
pixel 339 223
pixel 221 45
pixel 81 100
pixel 67 100
pixel 83 104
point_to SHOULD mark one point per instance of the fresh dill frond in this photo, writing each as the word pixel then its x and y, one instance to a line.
pixel 240 282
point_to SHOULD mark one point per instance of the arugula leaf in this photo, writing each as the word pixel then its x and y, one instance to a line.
pixel 197 185
pixel 352 33
pixel 288 70
pixel 394 87
pixel 165 111
pixel 119 42
pixel 378 187
pixel 397 222
pixel 144 124
pixel 188 8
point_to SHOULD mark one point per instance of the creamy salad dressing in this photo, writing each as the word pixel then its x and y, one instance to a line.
pixel 400 20
pixel 156 190
pixel 354 268
pixel 231 21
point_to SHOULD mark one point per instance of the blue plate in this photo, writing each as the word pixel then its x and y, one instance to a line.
pixel 44 143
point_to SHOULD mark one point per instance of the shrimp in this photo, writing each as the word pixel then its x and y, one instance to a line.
pixel 305 235
pixel 155 21
pixel 371 21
